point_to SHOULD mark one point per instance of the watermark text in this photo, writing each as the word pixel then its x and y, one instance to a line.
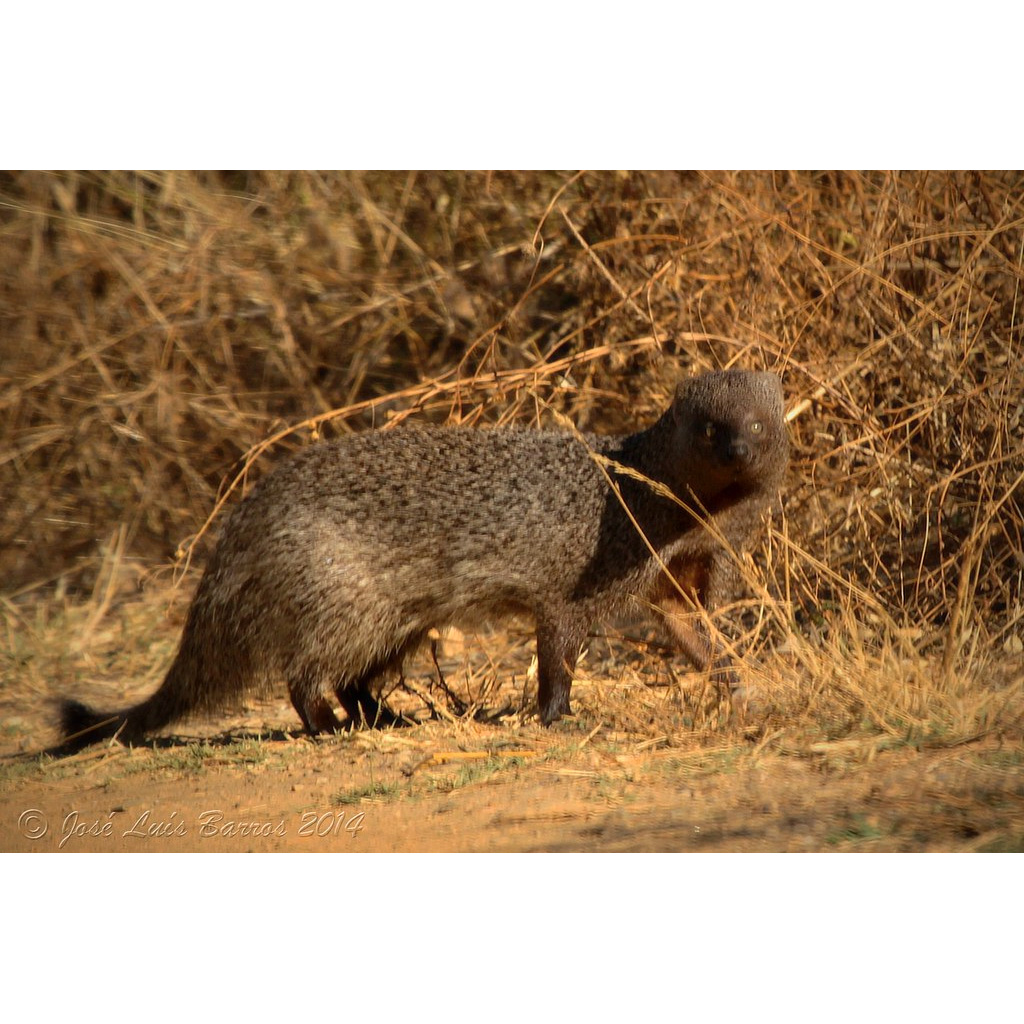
pixel 150 825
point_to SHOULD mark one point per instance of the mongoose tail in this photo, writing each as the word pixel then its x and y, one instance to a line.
pixel 81 725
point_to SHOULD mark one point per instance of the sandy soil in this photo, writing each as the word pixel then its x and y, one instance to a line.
pixel 506 787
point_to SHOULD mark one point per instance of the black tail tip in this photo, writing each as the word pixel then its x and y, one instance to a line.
pixel 80 726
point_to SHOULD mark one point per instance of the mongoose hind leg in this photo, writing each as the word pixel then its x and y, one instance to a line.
pixel 313 707
pixel 364 708
pixel 558 649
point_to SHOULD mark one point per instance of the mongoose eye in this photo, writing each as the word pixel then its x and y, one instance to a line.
pixel 709 430
pixel 756 427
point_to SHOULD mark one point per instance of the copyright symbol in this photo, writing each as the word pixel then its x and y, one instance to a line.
pixel 32 823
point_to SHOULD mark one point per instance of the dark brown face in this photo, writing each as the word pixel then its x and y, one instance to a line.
pixel 734 430
pixel 732 448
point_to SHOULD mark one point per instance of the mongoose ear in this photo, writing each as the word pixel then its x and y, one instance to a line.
pixel 683 390
pixel 774 382
pixel 682 398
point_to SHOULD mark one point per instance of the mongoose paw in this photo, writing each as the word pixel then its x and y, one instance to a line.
pixel 554 712
pixel 318 717
pixel 746 701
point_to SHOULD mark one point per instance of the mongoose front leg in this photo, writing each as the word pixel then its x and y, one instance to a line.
pixel 692 584
pixel 691 635
pixel 558 649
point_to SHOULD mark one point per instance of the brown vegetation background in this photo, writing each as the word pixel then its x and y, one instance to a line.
pixel 159 328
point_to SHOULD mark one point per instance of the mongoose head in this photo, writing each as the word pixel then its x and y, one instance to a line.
pixel 733 431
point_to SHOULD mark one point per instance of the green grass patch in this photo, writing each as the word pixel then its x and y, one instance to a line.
pixel 386 791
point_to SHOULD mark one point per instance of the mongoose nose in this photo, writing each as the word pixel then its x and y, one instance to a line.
pixel 739 451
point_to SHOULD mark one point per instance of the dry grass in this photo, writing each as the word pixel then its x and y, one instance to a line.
pixel 162 331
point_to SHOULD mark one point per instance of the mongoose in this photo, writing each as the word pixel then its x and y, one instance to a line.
pixel 342 560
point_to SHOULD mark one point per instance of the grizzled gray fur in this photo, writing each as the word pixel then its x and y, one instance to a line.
pixel 341 561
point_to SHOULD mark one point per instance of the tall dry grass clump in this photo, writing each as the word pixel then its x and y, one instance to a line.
pixel 162 329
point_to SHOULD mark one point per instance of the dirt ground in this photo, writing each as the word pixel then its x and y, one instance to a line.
pixel 652 760
pixel 257 784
